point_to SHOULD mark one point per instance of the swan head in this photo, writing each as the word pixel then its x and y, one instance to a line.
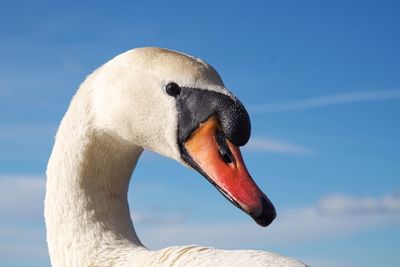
pixel 178 106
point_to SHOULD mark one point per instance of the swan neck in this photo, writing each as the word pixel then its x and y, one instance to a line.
pixel 86 206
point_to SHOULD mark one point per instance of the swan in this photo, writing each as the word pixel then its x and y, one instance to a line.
pixel 156 99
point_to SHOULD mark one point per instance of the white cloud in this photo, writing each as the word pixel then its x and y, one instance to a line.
pixel 21 196
pixel 21 227
pixel 342 204
pixel 277 146
pixel 322 262
pixel 29 241
pixel 328 100
pixel 24 130
pixel 23 143
pixel 331 217
pixel 31 253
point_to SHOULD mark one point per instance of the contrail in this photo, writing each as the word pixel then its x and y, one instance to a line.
pixel 328 100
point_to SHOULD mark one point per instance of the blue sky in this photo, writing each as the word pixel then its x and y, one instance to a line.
pixel 321 83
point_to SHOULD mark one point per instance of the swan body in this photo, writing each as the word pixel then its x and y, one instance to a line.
pixel 119 110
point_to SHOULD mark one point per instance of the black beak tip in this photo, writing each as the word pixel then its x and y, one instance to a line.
pixel 268 214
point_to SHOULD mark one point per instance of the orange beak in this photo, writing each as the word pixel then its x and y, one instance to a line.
pixel 221 162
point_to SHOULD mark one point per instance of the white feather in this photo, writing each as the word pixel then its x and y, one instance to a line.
pixel 120 109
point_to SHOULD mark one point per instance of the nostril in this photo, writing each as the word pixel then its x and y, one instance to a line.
pixel 226 157
pixel 223 148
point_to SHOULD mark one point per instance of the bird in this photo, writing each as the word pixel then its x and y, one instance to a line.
pixel 155 99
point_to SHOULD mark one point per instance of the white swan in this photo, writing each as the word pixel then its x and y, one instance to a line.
pixel 173 104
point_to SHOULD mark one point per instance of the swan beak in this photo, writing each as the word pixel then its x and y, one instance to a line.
pixel 221 162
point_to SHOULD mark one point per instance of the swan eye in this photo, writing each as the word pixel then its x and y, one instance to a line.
pixel 173 89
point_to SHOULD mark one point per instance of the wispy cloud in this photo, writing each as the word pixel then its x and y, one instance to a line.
pixel 322 101
pixel 331 217
pixel 338 204
pixel 277 146
pixel 324 262
pixel 26 143
pixel 22 229
pixel 21 196
pixel 17 131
